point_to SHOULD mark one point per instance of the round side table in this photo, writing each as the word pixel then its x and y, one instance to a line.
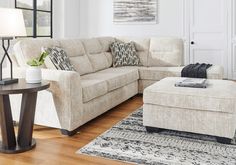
pixel 24 140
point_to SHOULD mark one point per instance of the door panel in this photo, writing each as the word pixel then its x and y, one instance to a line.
pixel 208 40
pixel 210 56
pixel 208 32
pixel 208 14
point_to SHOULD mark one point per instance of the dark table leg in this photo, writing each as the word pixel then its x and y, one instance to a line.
pixel 26 122
pixel 6 122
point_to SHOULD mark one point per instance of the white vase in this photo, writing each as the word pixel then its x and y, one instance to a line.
pixel 33 75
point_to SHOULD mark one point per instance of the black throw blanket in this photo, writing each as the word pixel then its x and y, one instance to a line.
pixel 195 70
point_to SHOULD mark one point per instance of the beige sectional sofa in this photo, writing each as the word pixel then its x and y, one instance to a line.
pixel 75 98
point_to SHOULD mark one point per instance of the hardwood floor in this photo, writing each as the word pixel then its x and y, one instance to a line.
pixel 55 149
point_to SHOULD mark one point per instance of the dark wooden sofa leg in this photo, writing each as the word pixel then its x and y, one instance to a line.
pixel 223 140
pixel 69 133
pixel 153 129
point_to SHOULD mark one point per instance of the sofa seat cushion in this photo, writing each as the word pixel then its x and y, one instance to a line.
pixel 115 77
pixel 92 88
pixel 158 73
pixel 219 96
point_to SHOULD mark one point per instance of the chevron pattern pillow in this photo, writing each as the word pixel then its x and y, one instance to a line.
pixel 124 54
pixel 58 59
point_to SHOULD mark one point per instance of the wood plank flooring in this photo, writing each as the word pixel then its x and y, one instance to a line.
pixel 55 149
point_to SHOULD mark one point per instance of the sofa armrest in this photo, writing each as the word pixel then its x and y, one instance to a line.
pixel 215 72
pixel 66 89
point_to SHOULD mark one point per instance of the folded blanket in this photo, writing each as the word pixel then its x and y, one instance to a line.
pixel 195 70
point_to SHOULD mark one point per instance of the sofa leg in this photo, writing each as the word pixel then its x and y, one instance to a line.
pixel 223 140
pixel 69 133
pixel 153 129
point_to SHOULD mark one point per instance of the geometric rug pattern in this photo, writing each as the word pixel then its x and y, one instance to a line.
pixel 128 141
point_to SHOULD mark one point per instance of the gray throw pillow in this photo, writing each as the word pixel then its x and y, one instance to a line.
pixel 124 54
pixel 58 59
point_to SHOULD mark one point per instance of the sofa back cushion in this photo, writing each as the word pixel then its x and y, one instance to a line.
pixel 165 52
pixel 142 47
pixel 91 55
pixel 30 48
pixel 106 42
pixel 77 55
pixel 96 55
pixel 27 49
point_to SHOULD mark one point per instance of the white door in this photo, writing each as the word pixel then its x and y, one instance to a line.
pixel 209 31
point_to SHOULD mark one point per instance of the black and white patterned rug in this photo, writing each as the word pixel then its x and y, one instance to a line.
pixel 128 141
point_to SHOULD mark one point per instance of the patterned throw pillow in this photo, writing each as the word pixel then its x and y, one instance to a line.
pixel 124 54
pixel 58 59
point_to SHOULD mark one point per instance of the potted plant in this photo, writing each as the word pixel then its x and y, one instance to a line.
pixel 33 72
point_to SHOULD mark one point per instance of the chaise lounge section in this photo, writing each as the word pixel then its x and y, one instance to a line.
pixel 76 97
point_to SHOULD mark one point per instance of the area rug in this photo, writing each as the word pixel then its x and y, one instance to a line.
pixel 128 141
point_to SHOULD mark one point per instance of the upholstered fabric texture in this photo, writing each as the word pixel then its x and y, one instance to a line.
pixel 142 84
pixel 77 55
pixel 31 48
pixel 114 77
pixel 106 42
pixel 66 89
pixel 211 110
pixel 165 52
pixel 97 57
pixel 103 103
pixel 190 120
pixel 158 73
pixel 58 58
pixel 219 95
pixel 68 99
pixel 150 75
pixel 124 54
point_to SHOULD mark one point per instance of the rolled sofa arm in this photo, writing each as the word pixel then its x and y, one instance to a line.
pixel 66 89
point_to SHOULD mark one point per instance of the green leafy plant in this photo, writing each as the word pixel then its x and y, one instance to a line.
pixel 39 60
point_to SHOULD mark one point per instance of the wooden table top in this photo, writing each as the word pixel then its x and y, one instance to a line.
pixel 23 87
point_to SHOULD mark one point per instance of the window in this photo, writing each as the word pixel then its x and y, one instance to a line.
pixel 38 17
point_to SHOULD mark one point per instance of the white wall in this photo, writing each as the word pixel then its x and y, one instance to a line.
pixel 233 40
pixel 71 13
pixel 96 19
pixel 6 3
pixel 66 18
pixel 58 19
